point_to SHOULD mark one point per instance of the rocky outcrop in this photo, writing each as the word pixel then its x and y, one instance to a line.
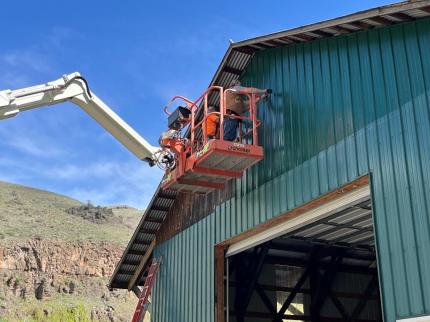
pixel 57 255
pixel 60 257
pixel 41 269
pixel 96 214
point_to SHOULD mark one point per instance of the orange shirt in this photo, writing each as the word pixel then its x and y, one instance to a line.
pixel 211 124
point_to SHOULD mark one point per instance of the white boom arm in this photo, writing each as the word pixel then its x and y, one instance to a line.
pixel 74 88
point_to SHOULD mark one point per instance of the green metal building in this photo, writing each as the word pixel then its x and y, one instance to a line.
pixel 334 223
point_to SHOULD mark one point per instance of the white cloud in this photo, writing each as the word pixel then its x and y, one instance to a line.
pixel 13 80
pixel 18 135
pixel 130 171
pixel 60 34
pixel 102 182
pixel 37 150
pixel 131 183
pixel 21 66
pixel 29 59
pixel 33 147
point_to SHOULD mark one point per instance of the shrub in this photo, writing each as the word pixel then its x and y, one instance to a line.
pixel 77 313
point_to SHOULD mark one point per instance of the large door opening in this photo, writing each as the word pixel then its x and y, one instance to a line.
pixel 325 270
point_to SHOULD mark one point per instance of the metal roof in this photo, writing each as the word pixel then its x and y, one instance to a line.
pixel 141 240
pixel 232 66
pixel 239 54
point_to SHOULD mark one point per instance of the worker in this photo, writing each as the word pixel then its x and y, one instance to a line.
pixel 236 105
pixel 231 124
pixel 212 123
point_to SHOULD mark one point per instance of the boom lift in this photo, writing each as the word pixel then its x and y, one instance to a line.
pixel 74 88
pixel 201 164
pixel 193 162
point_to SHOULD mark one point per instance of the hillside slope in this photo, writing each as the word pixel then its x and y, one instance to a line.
pixel 56 256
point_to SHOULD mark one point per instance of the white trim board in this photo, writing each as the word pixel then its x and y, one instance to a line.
pixel 417 319
pixel 349 199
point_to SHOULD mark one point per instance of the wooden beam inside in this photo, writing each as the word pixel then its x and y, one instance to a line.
pixel 141 266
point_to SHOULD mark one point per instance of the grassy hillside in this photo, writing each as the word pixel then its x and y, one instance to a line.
pixel 42 227
pixel 27 212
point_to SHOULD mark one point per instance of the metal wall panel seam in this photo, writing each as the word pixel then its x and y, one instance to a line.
pixel 421 127
pixel 395 132
pixel 407 225
pixel 387 173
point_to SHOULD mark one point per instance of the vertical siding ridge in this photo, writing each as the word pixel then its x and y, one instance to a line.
pixel 354 172
pixel 321 130
pixel 426 85
pixel 404 158
pixel 315 120
pixel 392 170
pixel 419 176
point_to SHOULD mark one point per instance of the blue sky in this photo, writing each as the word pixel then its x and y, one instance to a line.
pixel 135 55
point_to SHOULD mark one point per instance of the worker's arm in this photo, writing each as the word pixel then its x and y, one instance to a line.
pixel 74 88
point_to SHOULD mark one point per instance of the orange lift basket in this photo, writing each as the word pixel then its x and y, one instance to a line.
pixel 198 163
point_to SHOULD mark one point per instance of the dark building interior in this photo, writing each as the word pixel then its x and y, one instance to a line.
pixel 324 271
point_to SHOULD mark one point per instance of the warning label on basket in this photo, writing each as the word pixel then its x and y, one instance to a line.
pixel 239 147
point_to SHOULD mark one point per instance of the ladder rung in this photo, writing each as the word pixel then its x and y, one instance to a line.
pixel 146 291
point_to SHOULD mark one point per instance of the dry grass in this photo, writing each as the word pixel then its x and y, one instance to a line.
pixel 27 212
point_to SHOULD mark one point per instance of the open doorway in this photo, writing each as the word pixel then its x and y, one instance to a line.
pixel 324 270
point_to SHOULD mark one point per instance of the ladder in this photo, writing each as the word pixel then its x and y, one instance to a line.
pixel 142 305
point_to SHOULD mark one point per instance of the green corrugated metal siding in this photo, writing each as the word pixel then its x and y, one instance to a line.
pixel 342 107
pixel 184 285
